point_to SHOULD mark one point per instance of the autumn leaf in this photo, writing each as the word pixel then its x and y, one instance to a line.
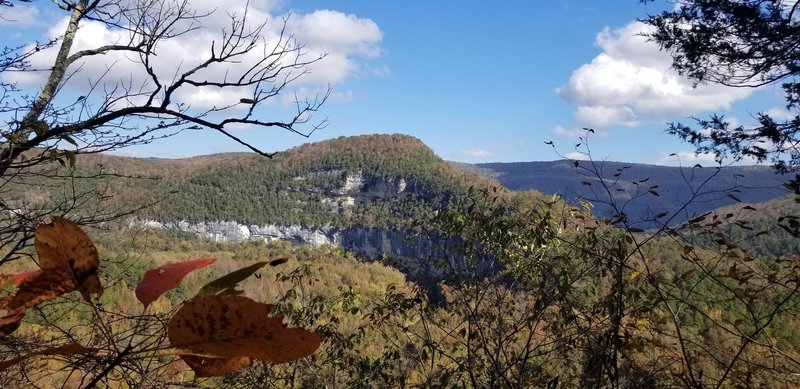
pixel 214 367
pixel 45 286
pixel 67 349
pixel 279 261
pixel 163 278
pixel 236 326
pixel 63 245
pixel 10 323
pixel 226 285
pixel 18 278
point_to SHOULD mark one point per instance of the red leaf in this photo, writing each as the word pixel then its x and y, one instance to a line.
pixel 163 278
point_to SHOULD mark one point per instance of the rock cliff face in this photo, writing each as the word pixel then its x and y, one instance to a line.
pixel 369 242
pixel 354 190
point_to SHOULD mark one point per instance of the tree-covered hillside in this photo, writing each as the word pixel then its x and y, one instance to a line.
pixel 371 181
pixel 761 229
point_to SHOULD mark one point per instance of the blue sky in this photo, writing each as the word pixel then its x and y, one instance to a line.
pixel 476 81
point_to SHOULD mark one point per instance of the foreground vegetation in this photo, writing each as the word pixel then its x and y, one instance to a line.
pixel 531 293
pixel 522 291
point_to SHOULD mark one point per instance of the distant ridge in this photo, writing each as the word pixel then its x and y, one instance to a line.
pixel 675 185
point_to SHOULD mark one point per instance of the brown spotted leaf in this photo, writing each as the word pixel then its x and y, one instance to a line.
pixel 163 278
pixel 236 326
pixel 215 367
pixel 63 245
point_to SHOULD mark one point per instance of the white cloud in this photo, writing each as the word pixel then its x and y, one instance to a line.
pixel 346 40
pixel 337 32
pixel 575 133
pixel 19 15
pixel 631 82
pixel 601 116
pixel 477 153
pixel 780 114
pixel 576 155
pixel 687 158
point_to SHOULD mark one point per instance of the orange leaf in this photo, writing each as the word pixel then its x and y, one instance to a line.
pixel 63 245
pixel 45 286
pixel 163 278
pixel 214 367
pixel 34 290
pixel 235 326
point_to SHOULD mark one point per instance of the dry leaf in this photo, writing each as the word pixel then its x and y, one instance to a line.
pixel 235 326
pixel 18 278
pixel 62 244
pixel 46 286
pixel 10 323
pixel 214 367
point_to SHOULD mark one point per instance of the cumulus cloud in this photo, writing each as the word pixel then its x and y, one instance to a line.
pixel 631 82
pixel 345 40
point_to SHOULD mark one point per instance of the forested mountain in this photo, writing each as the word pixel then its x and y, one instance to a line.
pixel 702 188
pixel 380 181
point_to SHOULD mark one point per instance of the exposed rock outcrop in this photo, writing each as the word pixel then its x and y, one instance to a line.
pixel 370 242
